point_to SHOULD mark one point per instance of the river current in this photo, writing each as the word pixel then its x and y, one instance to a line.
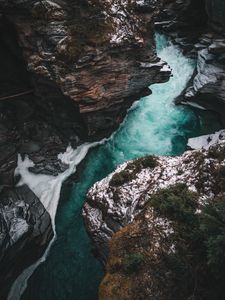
pixel 154 125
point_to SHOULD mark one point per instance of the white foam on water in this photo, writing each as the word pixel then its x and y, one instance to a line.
pixel 47 188
pixel 156 121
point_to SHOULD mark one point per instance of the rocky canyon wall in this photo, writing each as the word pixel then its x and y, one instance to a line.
pixel 98 53
pixel 216 11
pixel 69 72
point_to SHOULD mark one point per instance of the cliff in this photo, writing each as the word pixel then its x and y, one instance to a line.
pixel 157 217
pixel 198 28
pixel 215 10
pixel 99 53
pixel 69 72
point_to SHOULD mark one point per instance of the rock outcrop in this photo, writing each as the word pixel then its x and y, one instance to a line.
pixel 25 233
pixel 98 53
pixel 197 27
pixel 158 224
pixel 172 250
pixel 207 88
pixel 154 218
pixel 115 201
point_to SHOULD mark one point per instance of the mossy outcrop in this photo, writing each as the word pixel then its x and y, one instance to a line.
pixel 161 232
pixel 174 249
pixel 110 207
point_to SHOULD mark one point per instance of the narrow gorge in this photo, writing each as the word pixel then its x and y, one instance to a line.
pixel 100 101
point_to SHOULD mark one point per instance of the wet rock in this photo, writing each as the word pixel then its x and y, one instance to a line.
pixel 201 38
pixel 208 86
pixel 217 47
pixel 25 231
pixel 206 141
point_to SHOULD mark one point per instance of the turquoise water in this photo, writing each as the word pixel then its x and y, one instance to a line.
pixel 154 126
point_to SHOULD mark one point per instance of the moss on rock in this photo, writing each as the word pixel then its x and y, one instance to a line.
pixel 174 249
pixel 131 170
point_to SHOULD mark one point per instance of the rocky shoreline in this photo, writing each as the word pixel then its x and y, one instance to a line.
pixel 200 38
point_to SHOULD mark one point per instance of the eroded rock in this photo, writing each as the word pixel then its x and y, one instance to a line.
pixel 92 51
pixel 26 230
pixel 110 207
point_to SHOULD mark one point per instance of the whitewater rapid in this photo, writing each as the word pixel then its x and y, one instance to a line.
pixel 47 188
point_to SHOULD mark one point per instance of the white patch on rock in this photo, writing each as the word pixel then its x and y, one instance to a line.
pixel 121 204
pixel 206 141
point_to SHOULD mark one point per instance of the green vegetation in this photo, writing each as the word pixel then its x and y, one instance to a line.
pixel 198 265
pixel 132 169
pixel 176 203
pixel 213 229
pixel 216 153
pixel 219 180
pixel 149 161
pixel 133 263
pixel 120 178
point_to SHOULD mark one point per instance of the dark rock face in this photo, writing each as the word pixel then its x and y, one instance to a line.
pixel 29 124
pixel 198 28
pixel 208 86
pixel 179 17
pixel 90 52
pixel 184 22
pixel 25 233
pixel 216 10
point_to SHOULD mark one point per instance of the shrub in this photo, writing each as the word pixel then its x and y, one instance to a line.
pixel 219 180
pixel 213 229
pixel 175 203
pixel 137 165
pixel 216 153
pixel 120 178
pixel 133 263
pixel 149 161
pixel 199 260
pixel 132 169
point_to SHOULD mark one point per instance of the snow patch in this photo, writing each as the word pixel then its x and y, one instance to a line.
pixel 206 141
